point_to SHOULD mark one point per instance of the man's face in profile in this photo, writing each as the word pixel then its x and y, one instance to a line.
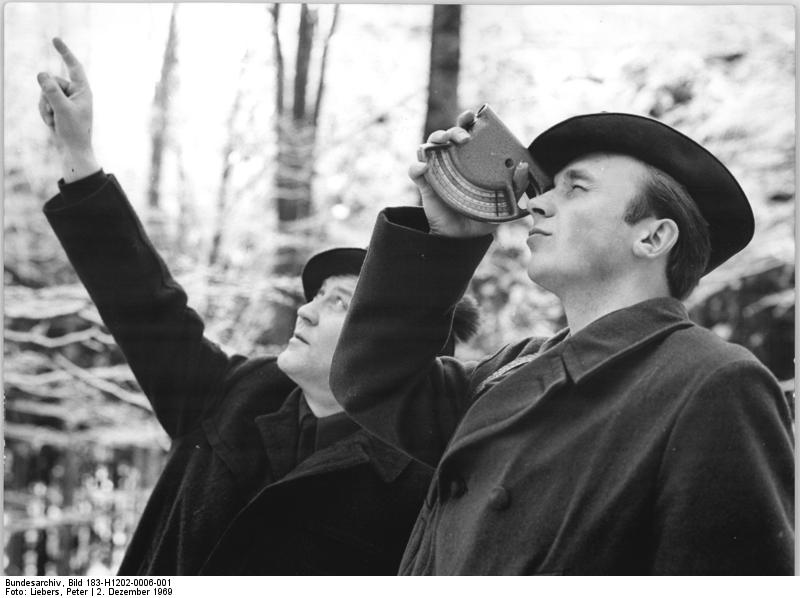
pixel 307 358
pixel 579 233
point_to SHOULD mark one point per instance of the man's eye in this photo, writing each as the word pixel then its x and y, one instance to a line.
pixel 340 303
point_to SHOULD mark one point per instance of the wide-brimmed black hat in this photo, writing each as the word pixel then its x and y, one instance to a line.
pixel 712 187
pixel 333 262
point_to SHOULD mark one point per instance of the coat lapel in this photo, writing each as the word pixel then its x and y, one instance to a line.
pixel 278 432
pixel 509 399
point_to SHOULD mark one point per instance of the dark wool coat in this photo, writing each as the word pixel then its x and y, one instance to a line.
pixel 642 444
pixel 230 480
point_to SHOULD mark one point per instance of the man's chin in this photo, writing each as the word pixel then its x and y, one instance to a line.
pixel 533 273
pixel 285 361
pixel 539 276
pixel 301 371
pixel 293 360
pixel 289 369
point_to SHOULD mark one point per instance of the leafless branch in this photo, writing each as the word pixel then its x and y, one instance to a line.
pixel 107 387
pixel 58 341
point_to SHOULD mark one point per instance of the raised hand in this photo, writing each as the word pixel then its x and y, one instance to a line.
pixel 66 108
pixel 442 219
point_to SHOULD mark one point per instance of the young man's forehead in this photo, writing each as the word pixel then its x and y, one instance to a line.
pixel 586 164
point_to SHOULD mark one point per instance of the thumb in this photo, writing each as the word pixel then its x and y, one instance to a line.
pixel 417 170
pixel 51 90
pixel 520 177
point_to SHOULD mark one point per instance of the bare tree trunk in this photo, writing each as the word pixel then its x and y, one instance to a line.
pixel 323 66
pixel 275 11
pixel 295 137
pixel 444 67
pixel 296 130
pixel 159 133
pixel 305 41
pixel 161 112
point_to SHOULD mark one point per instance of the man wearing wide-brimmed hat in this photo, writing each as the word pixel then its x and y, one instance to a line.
pixel 633 441
pixel 266 474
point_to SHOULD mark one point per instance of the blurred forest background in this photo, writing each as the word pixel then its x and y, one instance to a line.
pixel 249 136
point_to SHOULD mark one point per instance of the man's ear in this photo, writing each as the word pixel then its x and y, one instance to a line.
pixel 655 237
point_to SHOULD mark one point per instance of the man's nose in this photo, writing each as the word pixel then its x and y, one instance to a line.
pixel 541 205
pixel 309 312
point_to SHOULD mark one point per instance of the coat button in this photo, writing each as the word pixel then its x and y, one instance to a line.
pixel 499 499
pixel 457 487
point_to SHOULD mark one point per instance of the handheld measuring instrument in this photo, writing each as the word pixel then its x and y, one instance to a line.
pixel 484 177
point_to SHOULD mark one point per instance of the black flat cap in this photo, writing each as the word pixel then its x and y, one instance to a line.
pixel 712 187
pixel 333 262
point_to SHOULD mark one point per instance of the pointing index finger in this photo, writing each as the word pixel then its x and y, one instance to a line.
pixel 74 67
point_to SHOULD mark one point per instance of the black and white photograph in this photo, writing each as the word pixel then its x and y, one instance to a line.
pixel 398 289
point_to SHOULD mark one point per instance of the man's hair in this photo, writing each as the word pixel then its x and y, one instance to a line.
pixel 661 196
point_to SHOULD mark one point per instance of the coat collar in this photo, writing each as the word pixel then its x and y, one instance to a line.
pixel 619 333
pixel 563 358
pixel 279 430
pixel 387 461
pixel 356 449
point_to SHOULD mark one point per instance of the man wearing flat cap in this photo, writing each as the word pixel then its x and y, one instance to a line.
pixel 266 474
pixel 631 442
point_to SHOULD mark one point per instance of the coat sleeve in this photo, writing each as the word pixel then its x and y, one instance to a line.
pixel 726 493
pixel 141 304
pixel 386 373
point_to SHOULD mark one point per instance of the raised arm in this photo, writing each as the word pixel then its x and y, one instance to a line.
pixel 386 373
pixel 144 308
